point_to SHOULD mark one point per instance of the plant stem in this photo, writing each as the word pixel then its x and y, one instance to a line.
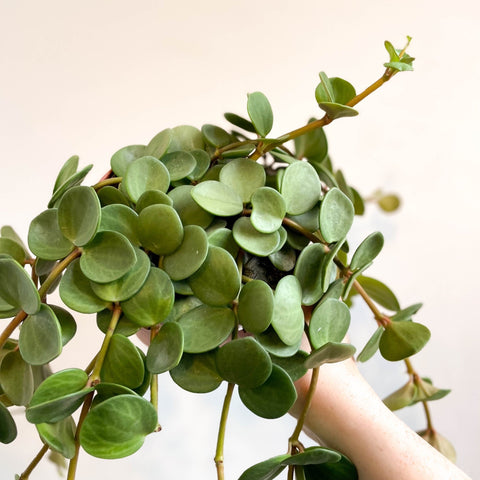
pixel 26 474
pixel 154 380
pixel 221 432
pixel 107 181
pixel 379 316
pixel 9 329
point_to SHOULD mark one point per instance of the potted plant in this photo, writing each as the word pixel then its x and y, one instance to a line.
pixel 222 248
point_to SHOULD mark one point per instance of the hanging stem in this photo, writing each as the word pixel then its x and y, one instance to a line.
pixel 26 474
pixel 221 432
pixel 107 181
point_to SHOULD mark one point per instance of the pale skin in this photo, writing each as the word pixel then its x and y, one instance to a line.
pixel 347 415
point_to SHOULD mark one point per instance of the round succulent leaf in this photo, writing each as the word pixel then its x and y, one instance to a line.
pixel 266 470
pixel 79 213
pixel 202 160
pixel 371 346
pixel 166 348
pixel 244 176
pixel 329 322
pixel 284 259
pixel 255 306
pixel 239 121
pixel 76 291
pixel 108 257
pixel 122 158
pixel 68 326
pixel 272 399
pixel 293 365
pixel 122 364
pixel 287 319
pixel 106 390
pixel 406 313
pixel 271 342
pixel 367 251
pixel 213 173
pixel 159 144
pixel 217 198
pixel 152 197
pixel 217 281
pixel 128 285
pixel 182 306
pixel 141 390
pixel 216 136
pixel 403 339
pixel 68 169
pixel 58 396
pixel 268 210
pixel 313 456
pixel 179 164
pixel 8 429
pixel 152 304
pixel 308 271
pixel 190 212
pixel 239 152
pixel 402 397
pixel 331 352
pixel 145 173
pixel 344 469
pixel 282 156
pixel 40 339
pixel 110 195
pixel 312 144
pixel 17 288
pixel 120 218
pixel 118 426
pixel 44 267
pixel 124 325
pixel 379 292
pixel 197 373
pixel 16 378
pixel 160 229
pixel 205 328
pixel 223 237
pixel 59 436
pixel 182 288
pixel 336 215
pixel 440 443
pixel 13 249
pixel 301 188
pixel 186 137
pixel 260 113
pixel 253 241
pixel 296 240
pixel 244 361
pixel 189 256
pixel 308 220
pixel 389 202
pixel 74 180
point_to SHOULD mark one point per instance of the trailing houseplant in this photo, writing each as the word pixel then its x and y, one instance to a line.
pixel 222 247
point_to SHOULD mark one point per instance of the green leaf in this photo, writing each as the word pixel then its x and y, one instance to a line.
pixel 255 306
pixel 272 399
pixel 110 195
pixel 122 158
pixel 406 313
pixel 329 323
pixel 260 113
pixel 253 241
pixel 128 285
pixel 12 248
pixel 159 144
pixel 118 426
pixel 308 271
pixel 403 339
pixel 79 215
pixel 313 456
pixel 77 293
pixel 197 373
pixel 403 397
pixel 59 436
pixel 58 396
pixel 333 94
pixel 268 210
pixel 124 326
pixel 186 137
pixel 293 365
pixel 45 239
pixel 216 136
pixel 166 348
pixel 108 257
pixel 123 364
pixel 301 188
pixel 40 338
pixel 202 160
pixel 287 319
pixel 244 176
pixel 284 259
pixel 266 470
pixel 388 203
pixel 189 211
pixel 74 180
pixel 312 144
pixel 244 361
pixel 367 251
pixel 217 281
pixel 189 256
pixel 371 346
pixel 8 429
pixel 240 122
pixel 152 304
pixel 121 219
pixel 336 215
pixel 379 292
pixel 271 342
pixel 217 198
pixel 205 328
pixel 152 197
pixel 145 173
pixel 330 352
pixel 179 164
pixel 344 469
pixel 440 443
pixel 68 326
pixel 16 378
pixel 68 169
pixel 17 288
pixel 428 392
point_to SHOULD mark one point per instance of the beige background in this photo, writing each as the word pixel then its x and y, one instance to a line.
pixel 89 77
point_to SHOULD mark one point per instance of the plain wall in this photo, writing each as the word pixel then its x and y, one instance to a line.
pixel 90 77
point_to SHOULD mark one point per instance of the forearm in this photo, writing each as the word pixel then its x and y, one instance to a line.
pixel 347 415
